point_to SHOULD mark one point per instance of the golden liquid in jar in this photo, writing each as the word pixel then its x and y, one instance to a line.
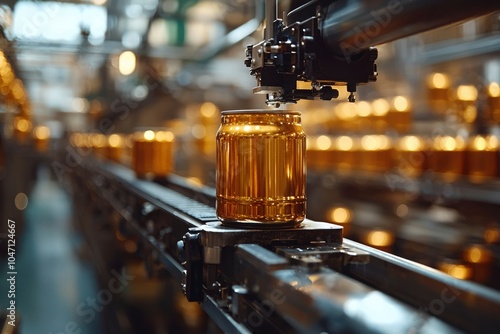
pixel 261 169
pixel 447 157
pixel 410 156
pixel 482 158
pixel 153 153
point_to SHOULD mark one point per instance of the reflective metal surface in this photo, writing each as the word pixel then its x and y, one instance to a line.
pixel 352 25
pixel 325 301
pixel 468 306
pixel 261 168
pixel 269 285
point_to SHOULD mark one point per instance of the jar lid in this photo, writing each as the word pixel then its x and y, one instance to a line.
pixel 260 111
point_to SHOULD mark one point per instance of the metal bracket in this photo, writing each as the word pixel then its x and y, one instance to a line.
pixel 331 256
pixel 214 234
pixel 191 250
pixel 204 245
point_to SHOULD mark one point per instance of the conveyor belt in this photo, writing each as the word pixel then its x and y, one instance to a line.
pixel 140 201
pixel 158 193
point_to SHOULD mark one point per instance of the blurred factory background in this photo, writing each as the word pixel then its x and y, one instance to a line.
pixel 411 168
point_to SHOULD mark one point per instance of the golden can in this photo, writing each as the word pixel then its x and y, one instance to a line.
pixel 261 169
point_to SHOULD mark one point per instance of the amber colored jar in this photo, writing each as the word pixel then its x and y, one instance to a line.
pixel 115 147
pixel 447 157
pixel 320 153
pixel 400 114
pixel 152 153
pixel 41 138
pixel 261 169
pixel 482 158
pixel 22 128
pixel 410 155
pixel 375 154
pixel 494 103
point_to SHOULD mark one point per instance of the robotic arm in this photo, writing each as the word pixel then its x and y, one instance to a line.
pixel 329 42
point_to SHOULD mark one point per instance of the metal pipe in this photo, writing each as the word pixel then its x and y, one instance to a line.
pixel 271 12
pixel 351 25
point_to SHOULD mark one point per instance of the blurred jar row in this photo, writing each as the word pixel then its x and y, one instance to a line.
pixel 14 97
pixel 449 156
pixel 473 261
pixel 22 129
pixel 475 264
pixel 396 114
pixel 462 100
pixel 149 152
pixel 377 116
pixel 12 91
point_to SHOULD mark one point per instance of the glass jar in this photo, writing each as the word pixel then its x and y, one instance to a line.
pixel 153 153
pixel 261 169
